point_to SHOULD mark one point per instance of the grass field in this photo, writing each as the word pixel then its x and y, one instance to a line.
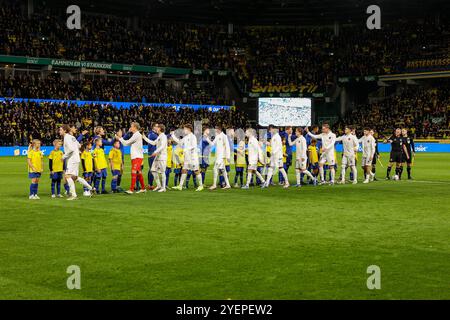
pixel 312 243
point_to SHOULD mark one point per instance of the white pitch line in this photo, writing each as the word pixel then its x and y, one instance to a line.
pixel 430 182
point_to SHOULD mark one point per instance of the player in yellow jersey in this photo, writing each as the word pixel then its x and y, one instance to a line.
pixel 280 175
pixel 267 164
pixel 100 166
pixel 169 159
pixel 87 162
pixel 56 166
pixel 313 156
pixel 35 160
pixel 177 164
pixel 240 164
pixel 115 164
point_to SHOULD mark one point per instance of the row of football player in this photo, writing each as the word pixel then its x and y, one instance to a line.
pixel 308 162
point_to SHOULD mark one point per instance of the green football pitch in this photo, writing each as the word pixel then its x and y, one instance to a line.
pixel 308 243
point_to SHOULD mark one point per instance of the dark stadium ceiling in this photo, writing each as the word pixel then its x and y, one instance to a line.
pixel 265 12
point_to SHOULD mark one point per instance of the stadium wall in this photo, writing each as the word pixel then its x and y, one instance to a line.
pixel 382 147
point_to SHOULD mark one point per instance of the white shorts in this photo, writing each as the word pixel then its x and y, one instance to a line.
pixel 366 161
pixel 72 168
pixel 327 158
pixel 252 166
pixel 219 164
pixel 300 164
pixel 159 166
pixel 191 166
pixel 276 163
pixel 348 160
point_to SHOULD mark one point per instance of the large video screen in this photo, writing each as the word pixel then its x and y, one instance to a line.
pixel 284 111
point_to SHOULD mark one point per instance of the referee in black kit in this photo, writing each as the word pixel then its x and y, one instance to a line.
pixel 409 144
pixel 399 153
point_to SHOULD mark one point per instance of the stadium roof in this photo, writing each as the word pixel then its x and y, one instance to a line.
pixel 261 12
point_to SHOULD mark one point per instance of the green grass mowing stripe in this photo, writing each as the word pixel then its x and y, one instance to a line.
pixel 235 244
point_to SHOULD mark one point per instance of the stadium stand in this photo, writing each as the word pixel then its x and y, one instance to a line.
pixel 21 121
pixel 257 56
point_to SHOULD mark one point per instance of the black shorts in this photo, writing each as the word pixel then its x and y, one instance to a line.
pixel 396 157
pixel 405 159
pixel 374 160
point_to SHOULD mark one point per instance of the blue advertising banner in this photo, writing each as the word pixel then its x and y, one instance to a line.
pixel 123 105
pixel 419 147
pixel 382 147
pixel 23 151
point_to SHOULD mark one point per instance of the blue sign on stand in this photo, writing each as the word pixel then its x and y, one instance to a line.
pixel 124 105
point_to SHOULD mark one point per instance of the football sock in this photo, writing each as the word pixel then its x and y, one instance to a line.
pixel 53 186
pixel 308 174
pixel 269 176
pixel 280 177
pixel 58 186
pixel 113 184
pixel 183 179
pixel 355 173
pixel 150 178
pixel 140 178
pixel 203 177
pixel 73 191
pixel 163 181
pixel 103 184
pixel 215 175
pixel 249 179
pixel 156 179
pixel 199 179
pixel 32 189
pixel 388 172
pixel 260 177
pixel 84 183
pixel 284 174
pixel 97 184
pixel 133 181
pixel 321 172
pixel 225 177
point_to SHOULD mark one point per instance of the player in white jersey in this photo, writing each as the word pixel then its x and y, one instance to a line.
pixel 255 154
pixel 136 154
pixel 223 155
pixel 189 144
pixel 368 150
pixel 350 145
pixel 327 151
pixel 159 164
pixel 300 156
pixel 276 157
pixel 72 158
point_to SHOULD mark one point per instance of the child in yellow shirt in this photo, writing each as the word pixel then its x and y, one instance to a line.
pixel 35 160
pixel 56 166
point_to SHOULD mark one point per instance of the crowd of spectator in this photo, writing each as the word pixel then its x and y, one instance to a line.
pixel 112 89
pixel 19 122
pixel 259 56
pixel 424 110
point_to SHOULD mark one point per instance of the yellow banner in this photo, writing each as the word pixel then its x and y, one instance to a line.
pixel 290 88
